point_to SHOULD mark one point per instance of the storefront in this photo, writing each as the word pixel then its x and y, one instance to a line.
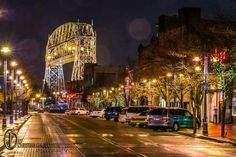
pixel 214 106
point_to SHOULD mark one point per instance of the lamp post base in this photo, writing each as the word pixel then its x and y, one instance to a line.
pixel 11 119
pixel 205 129
pixel 16 116
pixel 4 122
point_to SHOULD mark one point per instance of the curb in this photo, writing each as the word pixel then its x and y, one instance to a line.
pixel 17 128
pixel 208 138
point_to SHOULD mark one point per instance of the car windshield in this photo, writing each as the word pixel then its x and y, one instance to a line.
pixel 74 109
pixel 159 111
pixel 137 109
pixel 112 109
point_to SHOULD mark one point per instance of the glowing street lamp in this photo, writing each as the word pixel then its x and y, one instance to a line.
pixel 169 74
pixel 38 95
pixel 13 64
pixel 198 68
pixel 22 77
pixel 154 81
pixel 196 59
pixel 144 81
pixel 18 72
pixel 5 50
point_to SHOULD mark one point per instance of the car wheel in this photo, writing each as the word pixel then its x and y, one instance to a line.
pixel 175 127
pixel 141 125
pixel 108 118
pixel 131 124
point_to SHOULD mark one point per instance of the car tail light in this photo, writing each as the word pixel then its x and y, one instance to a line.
pixel 165 119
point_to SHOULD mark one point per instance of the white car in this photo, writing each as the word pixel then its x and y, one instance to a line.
pixel 82 111
pixel 98 113
pixel 122 115
pixel 135 111
pixel 68 112
pixel 74 111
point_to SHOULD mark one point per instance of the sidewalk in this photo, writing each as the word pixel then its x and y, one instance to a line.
pixel 214 133
pixel 17 125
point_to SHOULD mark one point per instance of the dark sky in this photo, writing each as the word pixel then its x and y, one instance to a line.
pixel 120 24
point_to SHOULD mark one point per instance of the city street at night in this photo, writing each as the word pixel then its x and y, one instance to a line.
pixel 60 135
pixel 117 78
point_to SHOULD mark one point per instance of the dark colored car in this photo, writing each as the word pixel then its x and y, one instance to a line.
pixel 112 112
pixel 174 118
pixel 40 110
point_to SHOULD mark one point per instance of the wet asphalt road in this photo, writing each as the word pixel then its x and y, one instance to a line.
pixel 63 136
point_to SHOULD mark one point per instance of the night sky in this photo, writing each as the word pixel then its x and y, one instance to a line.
pixel 121 25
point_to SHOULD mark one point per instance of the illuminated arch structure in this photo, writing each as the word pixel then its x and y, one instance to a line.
pixel 70 42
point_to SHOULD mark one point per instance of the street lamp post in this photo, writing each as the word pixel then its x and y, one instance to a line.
pixel 20 95
pixel 18 72
pixel 205 123
pixel 13 64
pixel 169 75
pixel 5 51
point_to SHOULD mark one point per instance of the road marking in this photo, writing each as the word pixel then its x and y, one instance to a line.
pixel 80 151
pixel 107 140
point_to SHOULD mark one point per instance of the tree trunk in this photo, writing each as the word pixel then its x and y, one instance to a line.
pixel 181 99
pixel 167 97
pixel 194 120
pixel 223 116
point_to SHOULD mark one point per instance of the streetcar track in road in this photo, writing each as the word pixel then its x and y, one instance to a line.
pixel 129 150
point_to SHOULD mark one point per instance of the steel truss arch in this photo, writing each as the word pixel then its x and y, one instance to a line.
pixel 71 42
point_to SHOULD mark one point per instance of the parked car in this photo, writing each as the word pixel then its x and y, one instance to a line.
pixel 67 112
pixel 174 118
pixel 40 110
pixel 140 120
pixel 74 111
pixel 135 111
pixel 82 111
pixel 98 113
pixel 122 115
pixel 56 110
pixel 112 112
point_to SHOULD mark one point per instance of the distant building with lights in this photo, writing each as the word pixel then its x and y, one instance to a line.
pixel 96 76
